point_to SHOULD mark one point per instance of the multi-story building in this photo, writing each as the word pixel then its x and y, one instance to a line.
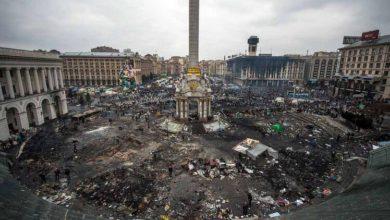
pixel 265 69
pixel 268 70
pixel 98 68
pixel 32 90
pixel 323 66
pixel 213 67
pixel 364 68
pixel 175 65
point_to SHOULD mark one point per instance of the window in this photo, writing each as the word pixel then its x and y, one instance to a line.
pixel 371 65
pixel 386 73
pixel 378 65
pixel 365 58
pixel 376 72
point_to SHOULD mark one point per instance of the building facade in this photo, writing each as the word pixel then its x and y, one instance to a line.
pixel 268 70
pixel 32 90
pixel 213 67
pixel 175 65
pixel 98 68
pixel 364 69
pixel 323 66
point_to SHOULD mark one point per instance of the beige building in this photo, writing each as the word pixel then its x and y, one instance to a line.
pixel 32 90
pixel 213 67
pixel 323 65
pixel 364 69
pixel 175 65
pixel 99 68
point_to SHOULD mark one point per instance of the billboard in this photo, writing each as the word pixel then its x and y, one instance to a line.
pixel 370 35
pixel 351 39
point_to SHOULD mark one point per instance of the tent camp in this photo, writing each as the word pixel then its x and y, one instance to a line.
pixel 172 127
pixel 253 148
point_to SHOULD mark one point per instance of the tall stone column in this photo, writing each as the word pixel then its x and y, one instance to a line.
pixel 177 108
pixel 55 79
pixel 183 109
pixel 19 82
pixel 28 78
pixel 186 108
pixel 210 108
pixel 1 93
pixel 205 109
pixel 50 77
pixel 44 79
pixel 194 33
pixel 9 83
pixel 61 78
pixel 200 111
pixel 36 80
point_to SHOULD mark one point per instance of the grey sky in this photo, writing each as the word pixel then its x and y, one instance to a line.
pixel 161 26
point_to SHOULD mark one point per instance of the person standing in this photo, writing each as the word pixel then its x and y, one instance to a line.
pixel 170 170
pixel 57 174
pixel 249 199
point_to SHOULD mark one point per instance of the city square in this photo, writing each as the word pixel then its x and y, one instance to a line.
pixel 117 135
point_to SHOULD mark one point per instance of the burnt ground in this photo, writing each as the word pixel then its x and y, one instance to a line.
pixel 121 169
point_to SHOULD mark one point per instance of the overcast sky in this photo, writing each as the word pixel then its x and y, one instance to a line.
pixel 161 26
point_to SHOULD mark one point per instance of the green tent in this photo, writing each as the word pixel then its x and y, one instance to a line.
pixel 361 106
pixel 277 128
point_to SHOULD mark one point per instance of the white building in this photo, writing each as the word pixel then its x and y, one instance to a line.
pixel 32 90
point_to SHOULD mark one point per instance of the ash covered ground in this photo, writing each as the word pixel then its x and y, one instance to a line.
pixel 121 164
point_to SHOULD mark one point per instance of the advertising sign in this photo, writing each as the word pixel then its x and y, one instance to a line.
pixel 351 39
pixel 370 35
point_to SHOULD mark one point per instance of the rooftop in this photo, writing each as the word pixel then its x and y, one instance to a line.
pixel 385 39
pixel 10 52
pixel 96 54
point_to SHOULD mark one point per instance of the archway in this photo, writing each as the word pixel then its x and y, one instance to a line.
pixel 32 114
pixel 13 120
pixel 46 111
pixel 193 106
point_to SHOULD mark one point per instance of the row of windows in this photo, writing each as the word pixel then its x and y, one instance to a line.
pixel 368 72
pixel 367 51
pixel 372 58
pixel 366 65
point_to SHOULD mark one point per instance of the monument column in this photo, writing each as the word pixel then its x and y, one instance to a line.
pixel 194 33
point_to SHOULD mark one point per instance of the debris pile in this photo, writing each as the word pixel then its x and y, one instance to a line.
pixel 126 191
